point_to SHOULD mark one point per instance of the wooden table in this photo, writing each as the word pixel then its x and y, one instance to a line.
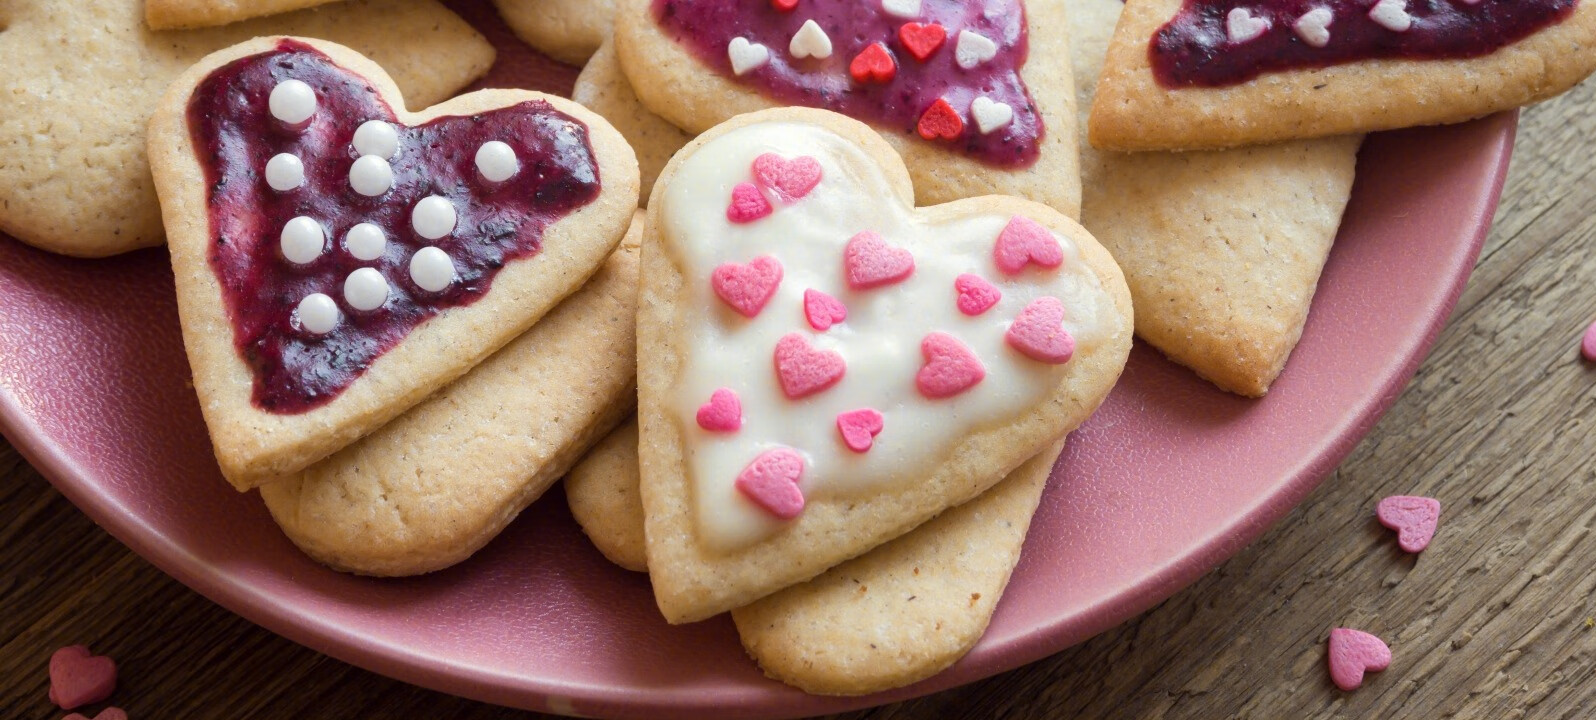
pixel 1496 619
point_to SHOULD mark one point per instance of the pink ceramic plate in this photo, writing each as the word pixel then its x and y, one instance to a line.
pixel 1168 479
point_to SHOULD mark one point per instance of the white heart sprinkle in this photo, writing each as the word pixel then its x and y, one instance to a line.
pixel 746 55
pixel 365 289
pixel 810 41
pixel 1314 26
pixel 317 313
pixel 1241 25
pixel 990 114
pixel 431 269
pixel 906 9
pixel 1392 15
pixel 973 49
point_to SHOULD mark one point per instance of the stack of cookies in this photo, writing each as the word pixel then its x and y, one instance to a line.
pixel 886 261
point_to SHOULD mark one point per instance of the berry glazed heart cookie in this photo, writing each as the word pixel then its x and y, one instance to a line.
pixel 1191 74
pixel 962 398
pixel 976 97
pixel 338 257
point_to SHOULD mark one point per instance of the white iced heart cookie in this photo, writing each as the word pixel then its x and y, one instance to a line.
pixel 746 56
pixel 1241 25
pixel 831 348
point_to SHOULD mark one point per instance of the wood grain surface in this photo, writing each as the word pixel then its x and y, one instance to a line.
pixel 1496 620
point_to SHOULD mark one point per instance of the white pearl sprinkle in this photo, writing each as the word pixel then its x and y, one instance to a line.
pixel 317 313
pixel 375 137
pixel 365 289
pixel 496 161
pixel 292 102
pixel 284 172
pixel 370 176
pixel 433 217
pixel 431 269
pixel 810 41
pixel 973 49
pixel 366 241
pixel 302 240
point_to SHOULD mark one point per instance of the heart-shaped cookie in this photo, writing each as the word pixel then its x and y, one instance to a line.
pixel 957 400
pixel 338 258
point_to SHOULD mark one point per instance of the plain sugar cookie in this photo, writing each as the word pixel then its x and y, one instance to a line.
pixel 94 62
pixel 299 344
pixel 604 90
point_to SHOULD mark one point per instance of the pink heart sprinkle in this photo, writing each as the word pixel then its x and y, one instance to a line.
pixel 771 482
pixel 1588 348
pixel 859 428
pixel 1414 519
pixel 110 713
pixel 747 204
pixel 79 677
pixel 723 412
pixel 1039 334
pixel 746 288
pixel 950 368
pixel 870 262
pixel 823 310
pixel 804 370
pixel 1354 652
pixel 789 179
pixel 1024 241
pixel 976 295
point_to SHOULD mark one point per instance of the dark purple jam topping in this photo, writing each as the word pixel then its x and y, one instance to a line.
pixel 1194 49
pixel 707 27
pixel 235 135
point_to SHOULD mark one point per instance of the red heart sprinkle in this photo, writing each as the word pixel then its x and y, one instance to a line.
pixel 1039 334
pixel 784 5
pixel 771 482
pixel 723 412
pixel 1414 519
pixel 1354 652
pixel 859 428
pixel 746 288
pixel 747 204
pixel 922 40
pixel 1025 241
pixel 950 368
pixel 976 295
pixel 873 64
pixel 79 677
pixel 110 713
pixel 789 179
pixel 823 310
pixel 941 121
pixel 1588 348
pixel 868 262
pixel 804 370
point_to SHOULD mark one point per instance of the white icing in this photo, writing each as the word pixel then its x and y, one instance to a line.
pixel 366 241
pixel 1392 15
pixel 746 56
pixel 906 9
pixel 375 137
pixel 1241 25
pixel 990 115
pixel 431 269
pixel 302 240
pixel 317 314
pixel 1314 26
pixel 365 289
pixel 810 41
pixel 880 340
pixel 496 161
pixel 370 176
pixel 433 217
pixel 292 102
pixel 973 49
pixel 284 172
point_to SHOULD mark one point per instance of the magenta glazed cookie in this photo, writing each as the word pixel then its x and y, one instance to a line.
pixel 339 257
